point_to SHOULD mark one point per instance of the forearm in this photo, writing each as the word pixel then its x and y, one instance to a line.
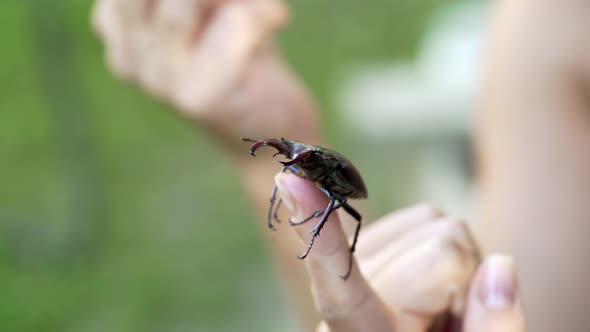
pixel 215 62
pixel 257 174
pixel 534 148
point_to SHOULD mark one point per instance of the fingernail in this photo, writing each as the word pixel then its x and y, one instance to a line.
pixel 498 284
pixel 285 194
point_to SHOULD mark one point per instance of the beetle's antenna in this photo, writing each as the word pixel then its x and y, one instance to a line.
pixel 248 140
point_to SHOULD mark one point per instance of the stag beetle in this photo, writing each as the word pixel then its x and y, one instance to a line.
pixel 333 174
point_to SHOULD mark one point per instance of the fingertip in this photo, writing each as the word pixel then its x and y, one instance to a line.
pixel 497 284
pixel 301 196
pixel 494 301
pixel 284 184
pixel 295 184
pixel 274 13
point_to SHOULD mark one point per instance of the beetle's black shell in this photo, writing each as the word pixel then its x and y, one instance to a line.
pixel 335 174
pixel 328 169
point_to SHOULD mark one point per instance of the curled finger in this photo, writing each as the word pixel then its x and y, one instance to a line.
pixel 391 227
pixel 443 229
pixel 434 266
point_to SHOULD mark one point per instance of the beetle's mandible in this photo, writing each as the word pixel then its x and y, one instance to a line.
pixel 334 175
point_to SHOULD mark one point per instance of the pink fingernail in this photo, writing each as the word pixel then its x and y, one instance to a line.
pixel 285 194
pixel 497 283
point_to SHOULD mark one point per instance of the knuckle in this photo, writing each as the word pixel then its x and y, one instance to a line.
pixel 428 210
pixel 456 230
pixel 455 260
pixel 444 253
pixel 279 14
pixel 453 225
pixel 322 327
pixel 176 17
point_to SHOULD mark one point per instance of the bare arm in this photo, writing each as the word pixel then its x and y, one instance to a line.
pixel 534 149
pixel 215 61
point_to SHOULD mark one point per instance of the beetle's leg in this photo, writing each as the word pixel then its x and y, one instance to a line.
pixel 357 217
pixel 273 198
pixel 318 227
pixel 275 215
pixel 354 213
pixel 315 215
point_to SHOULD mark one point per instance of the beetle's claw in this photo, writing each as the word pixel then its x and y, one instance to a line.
pixel 297 158
pixel 289 162
pixel 245 139
pixel 282 147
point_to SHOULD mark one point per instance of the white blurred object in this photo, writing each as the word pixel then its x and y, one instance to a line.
pixel 434 95
pixel 427 103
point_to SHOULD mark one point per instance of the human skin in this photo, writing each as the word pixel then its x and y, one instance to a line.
pixel 382 294
pixel 181 52
pixel 533 150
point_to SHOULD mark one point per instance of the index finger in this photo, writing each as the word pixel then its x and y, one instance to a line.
pixel 345 305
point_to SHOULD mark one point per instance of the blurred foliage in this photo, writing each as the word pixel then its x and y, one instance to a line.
pixel 113 212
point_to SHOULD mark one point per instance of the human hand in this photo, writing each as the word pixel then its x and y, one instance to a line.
pixel 213 59
pixel 415 264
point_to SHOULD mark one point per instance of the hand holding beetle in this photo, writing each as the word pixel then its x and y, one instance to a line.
pixel 415 264
pixel 213 59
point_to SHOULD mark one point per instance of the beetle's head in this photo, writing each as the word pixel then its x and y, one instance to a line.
pixel 291 149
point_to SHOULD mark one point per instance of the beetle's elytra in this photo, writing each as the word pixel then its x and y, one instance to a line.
pixel 333 174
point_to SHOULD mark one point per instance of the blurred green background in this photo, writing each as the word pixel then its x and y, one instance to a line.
pixel 107 220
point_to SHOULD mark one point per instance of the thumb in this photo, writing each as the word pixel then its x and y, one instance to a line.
pixel 345 305
pixel 493 304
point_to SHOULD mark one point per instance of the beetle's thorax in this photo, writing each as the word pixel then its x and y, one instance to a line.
pixel 315 166
pixel 327 168
pixel 295 148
